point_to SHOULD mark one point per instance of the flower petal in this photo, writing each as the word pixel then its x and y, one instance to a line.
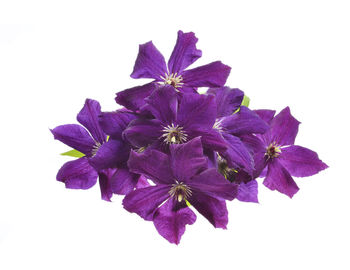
pixel 74 136
pixel 185 52
pixel 171 222
pixel 104 178
pixel 257 149
pixel 134 98
pixel 301 161
pixel 149 63
pixel 123 181
pixel 110 155
pixel 248 192
pixel 212 209
pixel 243 122
pixel 143 132
pixel 197 112
pixel 153 164
pixel 114 123
pixel 213 184
pixel 88 117
pixel 163 104
pixel 77 174
pixel 211 139
pixel 214 74
pixel 228 100
pixel 145 201
pixel 278 178
pixel 266 115
pixel 284 128
pixel 237 154
pixel 187 159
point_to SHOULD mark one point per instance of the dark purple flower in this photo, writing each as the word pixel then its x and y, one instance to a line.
pixel 234 121
pixel 101 156
pixel 276 150
pixel 150 63
pixel 180 178
pixel 176 120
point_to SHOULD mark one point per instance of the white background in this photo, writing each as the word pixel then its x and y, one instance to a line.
pixel 54 54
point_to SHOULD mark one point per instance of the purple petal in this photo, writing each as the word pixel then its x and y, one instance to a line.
pixel 278 178
pixel 105 177
pixel 211 139
pixel 143 132
pixel 257 149
pixel 77 174
pixel 197 112
pixel 153 164
pixel 266 115
pixel 150 63
pixel 213 184
pixel 134 98
pixel 74 136
pixel 185 52
pixel 237 155
pixel 171 222
pixel 301 161
pixel 163 104
pixel 88 117
pixel 248 192
pixel 187 159
pixel 110 155
pixel 212 209
pixel 284 128
pixel 114 123
pixel 211 75
pixel 228 100
pixel 145 201
pixel 243 122
pixel 123 181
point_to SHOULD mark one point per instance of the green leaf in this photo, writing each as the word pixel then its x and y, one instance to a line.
pixel 245 101
pixel 73 153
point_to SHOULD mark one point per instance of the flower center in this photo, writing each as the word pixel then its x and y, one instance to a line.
pixel 180 191
pixel 225 170
pixel 273 150
pixel 173 79
pixel 95 149
pixel 174 134
pixel 217 125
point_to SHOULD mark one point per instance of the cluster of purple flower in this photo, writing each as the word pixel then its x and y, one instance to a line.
pixel 171 149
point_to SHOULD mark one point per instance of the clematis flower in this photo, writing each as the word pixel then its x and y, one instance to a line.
pixel 150 63
pixel 234 121
pixel 176 121
pixel 275 150
pixel 180 178
pixel 101 157
pixel 79 174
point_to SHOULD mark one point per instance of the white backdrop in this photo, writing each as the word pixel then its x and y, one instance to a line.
pixel 54 54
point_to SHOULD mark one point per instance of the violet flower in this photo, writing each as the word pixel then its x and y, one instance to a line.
pixel 176 120
pixel 180 178
pixel 79 174
pixel 276 150
pixel 150 63
pixel 102 157
pixel 233 121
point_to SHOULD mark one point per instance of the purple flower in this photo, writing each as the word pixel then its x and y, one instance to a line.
pixel 176 120
pixel 234 121
pixel 276 150
pixel 101 156
pixel 180 178
pixel 150 63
